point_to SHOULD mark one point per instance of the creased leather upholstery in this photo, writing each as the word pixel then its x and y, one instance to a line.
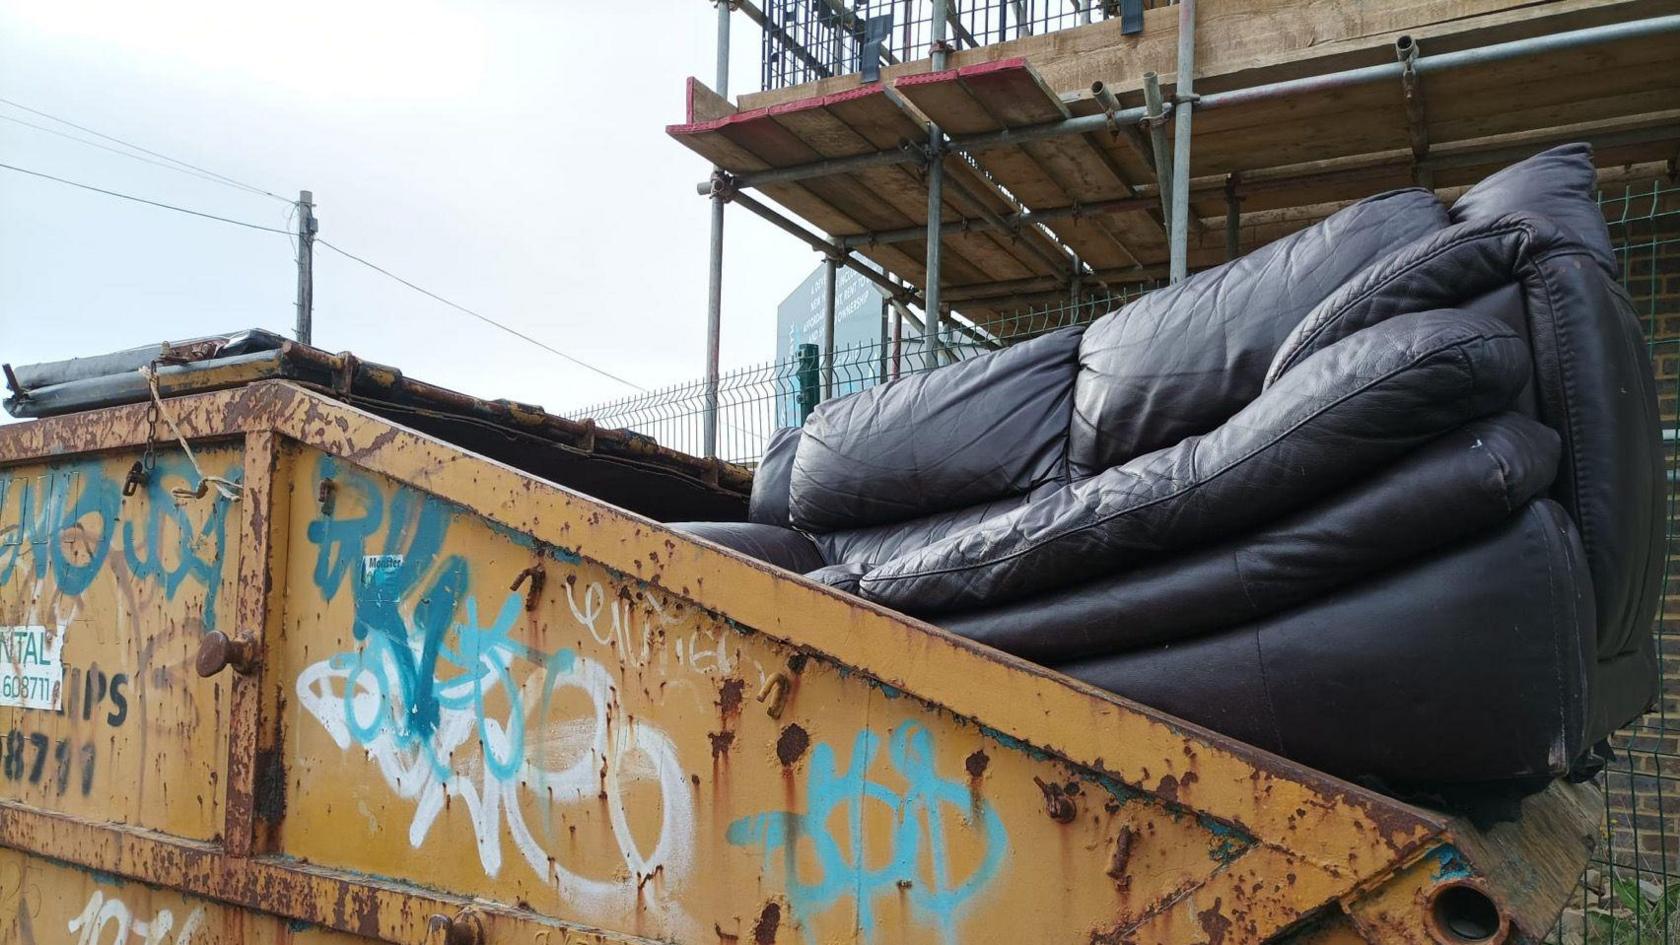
pixel 1461 484
pixel 782 547
pixel 1466 666
pixel 1556 184
pixel 1386 497
pixel 1437 271
pixel 1362 402
pixel 1179 361
pixel 982 429
pixel 768 504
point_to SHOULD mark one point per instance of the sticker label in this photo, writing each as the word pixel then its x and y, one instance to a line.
pixel 379 575
pixel 31 667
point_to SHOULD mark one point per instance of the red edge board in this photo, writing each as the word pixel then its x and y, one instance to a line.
pixel 963 72
pixel 692 127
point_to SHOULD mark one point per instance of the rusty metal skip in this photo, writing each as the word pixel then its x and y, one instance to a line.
pixel 389 689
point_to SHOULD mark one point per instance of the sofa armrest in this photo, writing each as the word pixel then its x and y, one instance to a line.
pixel 772 544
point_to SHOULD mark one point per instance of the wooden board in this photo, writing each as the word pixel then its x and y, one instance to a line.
pixel 1292 157
pixel 883 198
pixel 1245 42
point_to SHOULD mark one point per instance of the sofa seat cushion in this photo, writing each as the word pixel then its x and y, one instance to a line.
pixel 843 577
pixel 1463 483
pixel 979 430
pixel 1471 665
pixel 874 544
pixel 1180 360
pixel 1347 411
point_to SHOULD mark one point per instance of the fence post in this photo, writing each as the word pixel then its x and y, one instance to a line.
pixel 806 380
pixel 306 230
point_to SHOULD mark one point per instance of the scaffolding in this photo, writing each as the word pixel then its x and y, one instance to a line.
pixel 994 176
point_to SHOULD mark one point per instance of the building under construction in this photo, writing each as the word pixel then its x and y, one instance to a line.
pixel 1073 153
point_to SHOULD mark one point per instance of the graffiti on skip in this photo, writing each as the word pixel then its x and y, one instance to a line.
pixel 110 921
pixel 68 522
pixel 433 677
pixel 917 860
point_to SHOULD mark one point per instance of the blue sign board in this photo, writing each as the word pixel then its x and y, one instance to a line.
pixel 859 336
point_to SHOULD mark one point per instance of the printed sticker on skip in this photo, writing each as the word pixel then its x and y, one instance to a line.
pixel 31 667
pixel 379 576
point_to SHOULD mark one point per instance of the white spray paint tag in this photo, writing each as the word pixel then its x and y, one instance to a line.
pixel 31 667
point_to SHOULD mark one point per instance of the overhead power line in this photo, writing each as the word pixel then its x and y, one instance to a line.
pixel 118 151
pixel 230 181
pixel 483 318
pixel 346 254
pixel 150 203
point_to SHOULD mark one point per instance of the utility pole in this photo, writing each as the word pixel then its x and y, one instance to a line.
pixel 306 266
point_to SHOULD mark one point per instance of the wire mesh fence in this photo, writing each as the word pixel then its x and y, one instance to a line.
pixel 806 40
pixel 1630 894
pixel 755 401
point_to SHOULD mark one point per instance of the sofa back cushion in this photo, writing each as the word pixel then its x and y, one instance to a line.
pixel 973 432
pixel 1444 269
pixel 1560 185
pixel 1347 411
pixel 1180 360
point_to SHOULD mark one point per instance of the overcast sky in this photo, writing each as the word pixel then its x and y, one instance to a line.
pixel 510 156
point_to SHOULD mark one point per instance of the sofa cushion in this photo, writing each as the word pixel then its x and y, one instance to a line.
pixel 1463 483
pixel 772 544
pixel 1180 360
pixel 874 544
pixel 1345 412
pixel 768 504
pixel 981 429
pixel 1441 270
pixel 1471 665
pixel 1592 379
pixel 842 577
pixel 1560 184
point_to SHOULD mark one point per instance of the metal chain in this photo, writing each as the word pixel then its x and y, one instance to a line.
pixel 228 489
pixel 148 460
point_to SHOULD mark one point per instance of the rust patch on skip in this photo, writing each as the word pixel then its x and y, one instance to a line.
pixel 730 695
pixel 720 743
pixel 1214 923
pixel 976 763
pixel 764 930
pixel 790 747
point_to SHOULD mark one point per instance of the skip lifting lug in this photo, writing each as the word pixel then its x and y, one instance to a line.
pixel 217 651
